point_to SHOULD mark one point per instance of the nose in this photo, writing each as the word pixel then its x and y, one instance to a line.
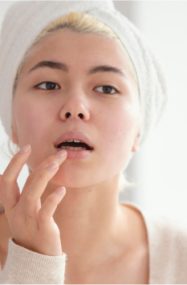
pixel 75 108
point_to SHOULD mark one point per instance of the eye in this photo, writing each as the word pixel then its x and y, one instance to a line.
pixel 107 89
pixel 47 85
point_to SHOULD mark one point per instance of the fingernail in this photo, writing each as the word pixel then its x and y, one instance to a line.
pixel 53 166
pixel 60 190
pixel 61 154
pixel 25 148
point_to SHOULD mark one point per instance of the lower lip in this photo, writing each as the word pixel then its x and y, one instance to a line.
pixel 78 154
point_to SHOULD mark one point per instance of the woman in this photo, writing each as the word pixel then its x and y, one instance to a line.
pixel 82 92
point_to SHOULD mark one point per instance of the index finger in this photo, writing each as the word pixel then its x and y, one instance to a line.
pixel 14 167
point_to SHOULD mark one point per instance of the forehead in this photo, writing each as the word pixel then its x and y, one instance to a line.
pixel 82 49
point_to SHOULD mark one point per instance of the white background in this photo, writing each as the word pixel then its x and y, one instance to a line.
pixel 160 167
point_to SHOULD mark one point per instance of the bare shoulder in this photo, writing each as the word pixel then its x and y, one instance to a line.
pixel 4 237
pixel 133 268
pixel 137 262
pixel 138 226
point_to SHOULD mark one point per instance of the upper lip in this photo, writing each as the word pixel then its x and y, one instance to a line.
pixel 74 136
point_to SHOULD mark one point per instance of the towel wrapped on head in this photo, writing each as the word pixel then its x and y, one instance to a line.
pixel 25 20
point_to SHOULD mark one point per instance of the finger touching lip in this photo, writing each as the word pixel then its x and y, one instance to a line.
pixel 73 140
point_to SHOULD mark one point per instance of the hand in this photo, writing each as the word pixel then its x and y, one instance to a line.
pixel 31 223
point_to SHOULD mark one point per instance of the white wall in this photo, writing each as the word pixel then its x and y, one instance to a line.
pixel 162 163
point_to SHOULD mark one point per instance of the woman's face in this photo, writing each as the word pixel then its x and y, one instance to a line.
pixel 72 86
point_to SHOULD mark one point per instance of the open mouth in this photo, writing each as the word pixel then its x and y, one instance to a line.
pixel 74 144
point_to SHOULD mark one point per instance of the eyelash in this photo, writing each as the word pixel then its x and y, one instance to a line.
pixel 46 82
pixel 108 86
pixel 38 86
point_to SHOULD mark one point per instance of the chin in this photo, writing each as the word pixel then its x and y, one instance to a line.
pixel 69 180
pixel 80 176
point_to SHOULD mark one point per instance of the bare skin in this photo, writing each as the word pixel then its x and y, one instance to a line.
pixel 31 223
pixel 4 237
pixel 130 267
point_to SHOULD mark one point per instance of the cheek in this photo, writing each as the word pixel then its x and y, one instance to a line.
pixel 120 132
pixel 32 126
pixel 120 127
pixel 28 121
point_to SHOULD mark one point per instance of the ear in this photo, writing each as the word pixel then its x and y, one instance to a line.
pixel 136 144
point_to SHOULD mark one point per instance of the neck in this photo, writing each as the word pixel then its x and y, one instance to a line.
pixel 91 222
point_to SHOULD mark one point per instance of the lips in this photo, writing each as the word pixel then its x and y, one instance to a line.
pixel 74 140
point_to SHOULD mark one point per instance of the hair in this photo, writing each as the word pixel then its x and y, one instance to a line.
pixel 81 23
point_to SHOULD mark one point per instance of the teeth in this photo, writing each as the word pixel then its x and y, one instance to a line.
pixel 72 148
pixel 75 141
pixel 71 143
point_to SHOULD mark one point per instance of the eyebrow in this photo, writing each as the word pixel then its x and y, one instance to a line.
pixel 50 64
pixel 63 67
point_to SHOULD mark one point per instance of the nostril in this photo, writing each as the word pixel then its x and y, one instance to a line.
pixel 81 116
pixel 67 115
